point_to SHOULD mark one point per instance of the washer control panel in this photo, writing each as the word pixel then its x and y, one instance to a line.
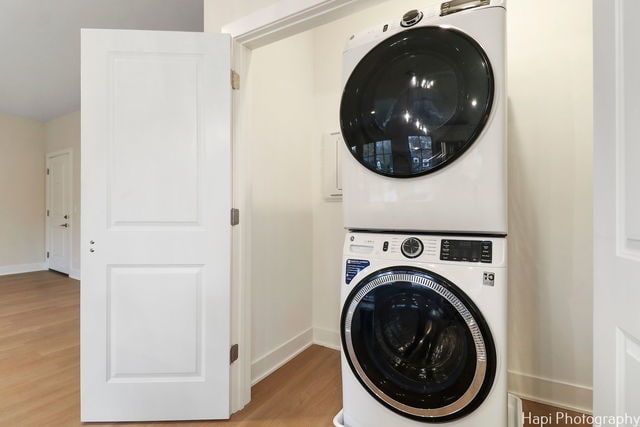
pixel 466 250
pixel 412 247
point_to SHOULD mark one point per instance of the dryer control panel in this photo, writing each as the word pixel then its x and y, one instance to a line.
pixel 466 250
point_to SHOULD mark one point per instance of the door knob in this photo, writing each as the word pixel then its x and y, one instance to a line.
pixel 65 225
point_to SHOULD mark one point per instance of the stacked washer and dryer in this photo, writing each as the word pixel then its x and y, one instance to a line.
pixel 424 291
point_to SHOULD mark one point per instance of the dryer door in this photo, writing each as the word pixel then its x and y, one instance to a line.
pixel 417 101
pixel 418 344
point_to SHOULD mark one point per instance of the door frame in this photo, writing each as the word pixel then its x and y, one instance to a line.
pixel 259 28
pixel 71 222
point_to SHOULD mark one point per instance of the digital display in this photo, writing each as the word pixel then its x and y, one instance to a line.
pixel 466 250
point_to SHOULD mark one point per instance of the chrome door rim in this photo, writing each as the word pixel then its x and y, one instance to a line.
pixel 481 352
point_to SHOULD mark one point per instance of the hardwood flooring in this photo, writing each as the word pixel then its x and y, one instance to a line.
pixel 39 349
pixel 40 372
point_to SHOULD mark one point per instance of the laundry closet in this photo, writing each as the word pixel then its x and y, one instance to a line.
pixel 296 86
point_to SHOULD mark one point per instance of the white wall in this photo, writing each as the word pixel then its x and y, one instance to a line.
pixel 22 195
pixel 280 83
pixel 63 133
pixel 550 200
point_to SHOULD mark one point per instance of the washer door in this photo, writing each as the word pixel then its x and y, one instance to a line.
pixel 418 344
pixel 416 101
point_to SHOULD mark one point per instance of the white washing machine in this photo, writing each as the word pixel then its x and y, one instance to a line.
pixel 424 330
pixel 423 119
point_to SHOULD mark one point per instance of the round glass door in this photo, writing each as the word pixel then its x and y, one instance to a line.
pixel 416 101
pixel 418 344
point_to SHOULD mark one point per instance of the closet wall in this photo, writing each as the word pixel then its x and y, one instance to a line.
pixel 281 138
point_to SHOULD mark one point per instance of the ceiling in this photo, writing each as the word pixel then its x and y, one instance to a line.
pixel 40 45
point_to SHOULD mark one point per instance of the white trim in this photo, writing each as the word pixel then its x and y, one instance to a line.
pixel 241 329
pixel 270 362
pixel 514 410
pixel 574 397
pixel 22 268
pixel 71 222
pixel 326 338
pixel 74 273
pixel 289 17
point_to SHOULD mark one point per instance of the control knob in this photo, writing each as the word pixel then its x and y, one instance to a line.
pixel 411 18
pixel 412 247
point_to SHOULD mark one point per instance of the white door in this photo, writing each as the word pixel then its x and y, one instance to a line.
pixel 58 219
pixel 616 388
pixel 156 194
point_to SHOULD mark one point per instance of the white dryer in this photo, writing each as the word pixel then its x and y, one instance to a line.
pixel 424 330
pixel 423 119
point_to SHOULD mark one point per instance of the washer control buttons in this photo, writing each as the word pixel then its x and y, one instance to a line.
pixel 412 247
pixel 487 252
pixel 411 18
pixel 489 279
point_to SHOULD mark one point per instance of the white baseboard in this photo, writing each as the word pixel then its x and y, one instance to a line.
pixel 574 397
pixel 22 268
pixel 326 338
pixel 74 273
pixel 270 362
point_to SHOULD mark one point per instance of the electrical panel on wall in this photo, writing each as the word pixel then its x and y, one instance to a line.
pixel 332 166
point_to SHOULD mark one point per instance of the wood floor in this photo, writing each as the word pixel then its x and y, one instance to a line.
pixel 40 372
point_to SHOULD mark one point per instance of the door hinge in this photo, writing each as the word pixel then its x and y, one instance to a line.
pixel 235 80
pixel 47 171
pixel 47 212
pixel 235 216
pixel 233 353
pixel 47 254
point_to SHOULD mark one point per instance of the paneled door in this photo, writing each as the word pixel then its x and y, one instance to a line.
pixel 59 211
pixel 156 194
pixel 616 340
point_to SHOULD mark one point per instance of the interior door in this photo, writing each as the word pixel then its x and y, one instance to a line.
pixel 616 388
pixel 59 211
pixel 156 194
